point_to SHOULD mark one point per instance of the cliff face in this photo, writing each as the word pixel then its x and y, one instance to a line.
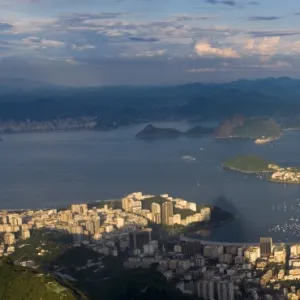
pixel 254 128
pixel 227 128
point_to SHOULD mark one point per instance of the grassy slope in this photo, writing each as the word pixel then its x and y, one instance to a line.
pixel 247 163
pixel 23 283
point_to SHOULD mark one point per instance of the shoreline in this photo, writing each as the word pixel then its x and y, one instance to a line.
pixel 245 172
pixel 283 182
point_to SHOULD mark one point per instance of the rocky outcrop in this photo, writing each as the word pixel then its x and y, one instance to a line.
pixel 227 128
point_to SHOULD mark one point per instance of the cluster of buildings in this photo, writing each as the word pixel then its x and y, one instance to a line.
pixel 162 211
pixel 100 228
pixel 286 175
pixel 210 270
pixel 225 271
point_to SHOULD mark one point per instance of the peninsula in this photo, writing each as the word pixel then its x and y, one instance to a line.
pixel 256 164
pixel 249 164
pixel 151 131
pixel 261 129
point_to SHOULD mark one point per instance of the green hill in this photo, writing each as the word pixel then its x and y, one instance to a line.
pixel 248 164
pixel 257 128
pixel 22 283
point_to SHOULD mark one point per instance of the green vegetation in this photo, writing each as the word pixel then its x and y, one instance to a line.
pixel 258 127
pixel 54 243
pixel 23 283
pixel 248 164
pixel 105 278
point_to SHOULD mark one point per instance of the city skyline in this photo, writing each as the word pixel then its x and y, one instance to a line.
pixel 148 42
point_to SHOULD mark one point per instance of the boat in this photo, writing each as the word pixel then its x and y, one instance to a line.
pixel 186 157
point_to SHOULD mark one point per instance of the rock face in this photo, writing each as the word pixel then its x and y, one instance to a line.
pixel 227 128
pixel 151 131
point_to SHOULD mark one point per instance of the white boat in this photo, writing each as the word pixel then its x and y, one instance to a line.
pixel 186 157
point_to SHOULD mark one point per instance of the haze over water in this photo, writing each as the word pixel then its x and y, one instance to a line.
pixel 57 169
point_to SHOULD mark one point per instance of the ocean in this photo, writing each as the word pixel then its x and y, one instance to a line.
pixel 56 169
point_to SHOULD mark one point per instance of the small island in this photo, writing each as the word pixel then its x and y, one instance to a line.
pixel 261 129
pixel 248 164
pixel 151 132
pixel 256 164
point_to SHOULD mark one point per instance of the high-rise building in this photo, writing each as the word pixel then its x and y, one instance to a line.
pixel 9 238
pixel 166 212
pixel 266 246
pixel 156 213
pixel 295 250
pixel 125 204
pixel 225 290
pixel 139 238
pixel 280 254
pixel 206 289
pixel 79 208
pixel 25 234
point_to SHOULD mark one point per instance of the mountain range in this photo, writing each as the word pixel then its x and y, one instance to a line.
pixel 116 106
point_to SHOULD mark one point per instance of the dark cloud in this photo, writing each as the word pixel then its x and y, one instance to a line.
pixel 265 18
pixel 5 26
pixel 269 33
pixel 253 3
pixel 229 2
pixel 226 2
pixel 143 39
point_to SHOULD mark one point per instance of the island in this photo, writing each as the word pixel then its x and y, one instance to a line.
pixel 257 164
pixel 261 129
pixel 199 131
pixel 150 132
pixel 248 164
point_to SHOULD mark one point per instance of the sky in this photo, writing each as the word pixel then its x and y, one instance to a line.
pixel 148 42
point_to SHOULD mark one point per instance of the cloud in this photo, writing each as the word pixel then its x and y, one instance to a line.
pixel 5 26
pixel 226 2
pixel 265 48
pixel 253 3
pixel 143 39
pixel 269 33
pixel 201 70
pixel 36 43
pixel 205 49
pixel 82 47
pixel 266 18
pixel 151 53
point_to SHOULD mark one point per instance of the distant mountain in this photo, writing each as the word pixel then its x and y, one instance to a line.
pixel 151 131
pixel 22 99
pixel 238 126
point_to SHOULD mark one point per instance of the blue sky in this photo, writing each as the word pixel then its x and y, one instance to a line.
pixel 142 42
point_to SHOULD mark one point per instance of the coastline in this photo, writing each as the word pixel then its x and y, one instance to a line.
pixel 283 182
pixel 245 172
